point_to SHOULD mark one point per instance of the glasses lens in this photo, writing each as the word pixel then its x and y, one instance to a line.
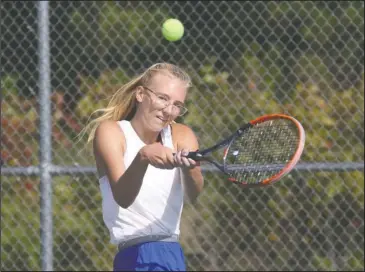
pixel 163 102
pixel 182 110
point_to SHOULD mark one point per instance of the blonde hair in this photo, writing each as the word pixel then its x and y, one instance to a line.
pixel 122 105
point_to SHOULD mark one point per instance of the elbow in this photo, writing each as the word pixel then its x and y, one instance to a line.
pixel 193 195
pixel 192 198
pixel 122 202
pixel 122 197
pixel 199 187
pixel 124 205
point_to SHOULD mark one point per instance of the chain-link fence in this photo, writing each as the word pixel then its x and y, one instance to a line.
pixel 246 59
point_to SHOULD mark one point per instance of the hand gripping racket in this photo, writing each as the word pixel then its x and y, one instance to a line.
pixel 259 153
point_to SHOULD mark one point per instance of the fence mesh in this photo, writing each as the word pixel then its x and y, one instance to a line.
pixel 246 59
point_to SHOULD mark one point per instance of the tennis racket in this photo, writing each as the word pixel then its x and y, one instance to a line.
pixel 259 153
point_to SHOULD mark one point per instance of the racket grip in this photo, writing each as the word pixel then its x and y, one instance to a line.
pixel 196 156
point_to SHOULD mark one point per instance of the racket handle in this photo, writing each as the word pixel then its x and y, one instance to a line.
pixel 196 156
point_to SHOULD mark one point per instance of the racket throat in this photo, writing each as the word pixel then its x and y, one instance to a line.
pixel 197 156
pixel 219 166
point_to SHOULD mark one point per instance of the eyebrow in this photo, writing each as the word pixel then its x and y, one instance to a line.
pixel 177 101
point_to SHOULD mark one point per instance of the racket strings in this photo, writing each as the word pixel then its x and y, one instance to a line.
pixel 262 151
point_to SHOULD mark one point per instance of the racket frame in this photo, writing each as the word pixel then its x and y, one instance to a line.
pixel 202 155
pixel 288 166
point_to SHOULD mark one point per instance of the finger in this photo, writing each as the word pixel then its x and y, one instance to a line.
pixel 185 162
pixel 170 161
pixel 162 163
pixel 182 160
pixel 192 162
pixel 179 158
pixel 184 152
pixel 159 164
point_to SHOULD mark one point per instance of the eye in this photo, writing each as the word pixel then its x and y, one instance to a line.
pixel 178 104
pixel 163 98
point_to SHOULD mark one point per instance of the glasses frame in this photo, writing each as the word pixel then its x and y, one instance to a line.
pixel 182 109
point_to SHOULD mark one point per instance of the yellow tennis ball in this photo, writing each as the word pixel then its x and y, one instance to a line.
pixel 172 30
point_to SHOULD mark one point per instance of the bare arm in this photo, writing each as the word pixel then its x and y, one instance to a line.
pixel 193 182
pixel 193 179
pixel 109 148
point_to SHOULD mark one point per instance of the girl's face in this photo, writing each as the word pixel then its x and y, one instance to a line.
pixel 162 101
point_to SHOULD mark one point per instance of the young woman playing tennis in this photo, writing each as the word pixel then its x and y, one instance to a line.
pixel 139 153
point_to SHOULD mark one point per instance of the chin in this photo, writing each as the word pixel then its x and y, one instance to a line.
pixel 157 127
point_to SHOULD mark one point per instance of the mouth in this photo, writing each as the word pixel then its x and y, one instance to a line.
pixel 163 120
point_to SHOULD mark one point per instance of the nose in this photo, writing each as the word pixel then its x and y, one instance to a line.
pixel 169 109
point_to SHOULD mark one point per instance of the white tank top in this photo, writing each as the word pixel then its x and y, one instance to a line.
pixel 158 206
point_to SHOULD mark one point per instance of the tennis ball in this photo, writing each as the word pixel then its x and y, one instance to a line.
pixel 172 30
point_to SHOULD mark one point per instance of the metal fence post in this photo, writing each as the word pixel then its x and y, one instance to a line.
pixel 45 137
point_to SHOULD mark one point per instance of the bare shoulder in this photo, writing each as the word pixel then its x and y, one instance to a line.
pixel 109 131
pixel 183 136
pixel 108 124
pixel 182 130
pixel 108 145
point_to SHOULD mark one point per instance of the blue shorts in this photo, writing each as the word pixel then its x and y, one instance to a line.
pixel 151 256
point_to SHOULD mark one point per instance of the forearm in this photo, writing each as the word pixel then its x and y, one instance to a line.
pixel 126 189
pixel 193 182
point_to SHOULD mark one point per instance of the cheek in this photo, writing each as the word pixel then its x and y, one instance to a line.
pixel 144 109
pixel 147 109
pixel 145 104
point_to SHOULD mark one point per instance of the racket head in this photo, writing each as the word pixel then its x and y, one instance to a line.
pixel 265 151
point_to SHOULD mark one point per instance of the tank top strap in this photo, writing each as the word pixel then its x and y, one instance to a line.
pixel 166 136
pixel 129 132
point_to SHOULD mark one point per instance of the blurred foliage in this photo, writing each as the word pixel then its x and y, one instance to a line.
pixel 97 93
pixel 310 220
pixel 301 206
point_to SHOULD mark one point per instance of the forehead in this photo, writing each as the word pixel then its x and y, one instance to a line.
pixel 168 84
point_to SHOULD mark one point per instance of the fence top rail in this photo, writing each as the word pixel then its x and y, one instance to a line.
pixel 89 170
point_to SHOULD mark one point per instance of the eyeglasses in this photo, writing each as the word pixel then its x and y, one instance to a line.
pixel 162 101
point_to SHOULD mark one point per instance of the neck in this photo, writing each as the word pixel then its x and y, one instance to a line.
pixel 147 136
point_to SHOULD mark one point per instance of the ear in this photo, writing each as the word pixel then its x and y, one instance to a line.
pixel 139 94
